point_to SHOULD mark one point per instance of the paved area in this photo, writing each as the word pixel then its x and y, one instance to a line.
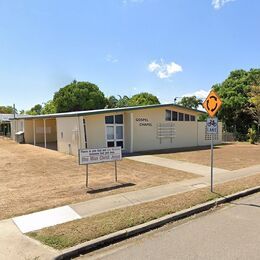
pixel 15 246
pixel 228 233
pixel 177 165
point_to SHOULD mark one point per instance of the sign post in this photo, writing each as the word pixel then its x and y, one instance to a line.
pixel 212 104
pixel 91 156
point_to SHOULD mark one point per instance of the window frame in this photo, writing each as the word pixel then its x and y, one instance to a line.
pixel 114 125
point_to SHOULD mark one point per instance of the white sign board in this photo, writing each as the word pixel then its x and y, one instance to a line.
pixel 212 125
pixel 89 156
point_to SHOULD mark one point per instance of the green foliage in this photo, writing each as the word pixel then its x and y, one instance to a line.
pixel 255 100
pixel 234 93
pixel 79 96
pixel 190 102
pixel 202 117
pixel 252 135
pixel 111 102
pixel 36 110
pixel 143 99
pixel 122 101
pixel 6 109
pixel 49 108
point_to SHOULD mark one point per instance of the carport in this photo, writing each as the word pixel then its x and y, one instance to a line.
pixel 41 132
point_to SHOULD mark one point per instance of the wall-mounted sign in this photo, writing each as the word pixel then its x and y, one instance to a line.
pixel 89 156
pixel 143 121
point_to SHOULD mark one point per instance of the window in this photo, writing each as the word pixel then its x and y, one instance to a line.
pixel 181 116
pixel 174 116
pixel 110 133
pixel 187 117
pixel 192 118
pixel 114 130
pixel 119 132
pixel 119 119
pixel 168 115
pixel 109 119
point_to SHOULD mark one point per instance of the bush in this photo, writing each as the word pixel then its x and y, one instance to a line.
pixel 252 135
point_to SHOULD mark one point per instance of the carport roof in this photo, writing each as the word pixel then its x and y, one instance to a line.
pixel 104 111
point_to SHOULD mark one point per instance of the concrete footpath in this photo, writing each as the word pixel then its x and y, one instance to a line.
pixel 11 231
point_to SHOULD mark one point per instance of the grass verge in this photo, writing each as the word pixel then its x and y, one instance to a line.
pixel 79 231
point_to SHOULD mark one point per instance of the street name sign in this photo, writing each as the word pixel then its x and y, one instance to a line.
pixel 212 103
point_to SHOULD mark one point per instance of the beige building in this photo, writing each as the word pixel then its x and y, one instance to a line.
pixel 135 129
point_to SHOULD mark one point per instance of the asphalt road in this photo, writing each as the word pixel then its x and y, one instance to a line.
pixel 231 232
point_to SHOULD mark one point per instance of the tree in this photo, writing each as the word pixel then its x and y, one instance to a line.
pixel 79 96
pixel 122 101
pixel 255 100
pixel 49 107
pixel 143 99
pixel 6 110
pixel 234 93
pixel 36 110
pixel 190 102
pixel 111 102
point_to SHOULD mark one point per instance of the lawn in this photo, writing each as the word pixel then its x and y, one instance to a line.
pixel 229 156
pixel 34 178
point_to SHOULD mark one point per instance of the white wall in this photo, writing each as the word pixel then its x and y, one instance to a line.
pixel 68 138
pixel 204 139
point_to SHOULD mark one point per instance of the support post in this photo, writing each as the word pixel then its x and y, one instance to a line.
pixel 115 171
pixel 86 175
pixel 211 164
pixel 44 132
pixel 34 134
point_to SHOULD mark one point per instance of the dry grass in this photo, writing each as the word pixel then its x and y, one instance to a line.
pixel 230 157
pixel 33 178
pixel 79 231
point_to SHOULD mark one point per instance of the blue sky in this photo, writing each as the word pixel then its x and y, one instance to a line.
pixel 166 47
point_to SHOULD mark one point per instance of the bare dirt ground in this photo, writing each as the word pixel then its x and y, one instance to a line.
pixel 229 156
pixel 33 178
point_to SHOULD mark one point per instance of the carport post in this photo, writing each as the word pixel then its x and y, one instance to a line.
pixel 34 137
pixel 44 132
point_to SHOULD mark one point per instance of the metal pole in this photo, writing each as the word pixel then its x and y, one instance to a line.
pixel 211 170
pixel 115 171
pixel 87 175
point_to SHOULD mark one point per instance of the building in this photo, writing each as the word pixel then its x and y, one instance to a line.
pixel 135 129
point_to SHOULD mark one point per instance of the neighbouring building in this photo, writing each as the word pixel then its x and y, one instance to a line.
pixel 135 129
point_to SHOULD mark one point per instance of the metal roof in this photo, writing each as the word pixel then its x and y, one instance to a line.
pixel 9 117
pixel 104 111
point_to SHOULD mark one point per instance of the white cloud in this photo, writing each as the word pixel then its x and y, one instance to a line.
pixel 217 4
pixel 164 70
pixel 199 94
pixel 110 58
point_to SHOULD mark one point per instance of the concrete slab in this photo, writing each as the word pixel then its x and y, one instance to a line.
pixel 177 165
pixel 15 245
pixel 46 218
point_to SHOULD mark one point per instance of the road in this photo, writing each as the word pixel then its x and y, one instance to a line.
pixel 230 232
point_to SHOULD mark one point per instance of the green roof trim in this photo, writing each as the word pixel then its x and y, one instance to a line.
pixel 105 111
